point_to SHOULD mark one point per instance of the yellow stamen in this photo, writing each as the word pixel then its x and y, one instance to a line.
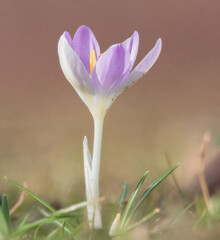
pixel 92 60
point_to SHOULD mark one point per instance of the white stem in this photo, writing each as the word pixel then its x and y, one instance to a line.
pixel 98 128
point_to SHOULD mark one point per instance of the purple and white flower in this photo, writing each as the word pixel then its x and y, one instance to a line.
pixel 99 79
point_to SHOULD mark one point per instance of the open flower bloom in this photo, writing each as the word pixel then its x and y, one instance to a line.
pixel 100 78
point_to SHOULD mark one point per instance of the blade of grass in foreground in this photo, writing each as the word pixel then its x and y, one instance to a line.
pixel 183 212
pixel 5 212
pixel 25 219
pixel 120 200
pixel 144 219
pixel 149 190
pixel 69 228
pixel 32 194
pixel 37 223
pixel 131 200
pixel 36 232
pixel 3 226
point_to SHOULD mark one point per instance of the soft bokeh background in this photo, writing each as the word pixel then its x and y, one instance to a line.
pixel 43 121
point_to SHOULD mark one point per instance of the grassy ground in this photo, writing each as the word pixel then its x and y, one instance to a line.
pixel 165 212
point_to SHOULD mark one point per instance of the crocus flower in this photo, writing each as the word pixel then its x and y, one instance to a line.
pixel 98 79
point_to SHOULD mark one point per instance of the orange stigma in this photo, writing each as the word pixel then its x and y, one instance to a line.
pixel 92 61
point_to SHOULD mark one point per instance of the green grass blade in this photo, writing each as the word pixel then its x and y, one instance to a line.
pixel 68 228
pixel 46 220
pixel 144 219
pixel 53 234
pixel 3 226
pixel 120 199
pixel 32 194
pixel 36 232
pixel 5 211
pixel 26 217
pixel 131 200
pixel 183 212
pixel 151 188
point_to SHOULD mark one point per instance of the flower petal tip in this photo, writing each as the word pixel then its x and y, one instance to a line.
pixel 159 44
pixel 136 34
pixel 84 27
pixel 68 38
pixel 85 140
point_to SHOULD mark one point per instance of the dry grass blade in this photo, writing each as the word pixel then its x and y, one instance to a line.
pixel 20 200
pixel 202 179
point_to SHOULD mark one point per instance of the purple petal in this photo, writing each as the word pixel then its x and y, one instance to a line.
pixel 143 67
pixel 83 42
pixel 111 68
pixel 132 44
pixel 73 68
pixel 68 38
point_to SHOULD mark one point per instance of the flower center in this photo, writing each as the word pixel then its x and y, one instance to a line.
pixel 92 61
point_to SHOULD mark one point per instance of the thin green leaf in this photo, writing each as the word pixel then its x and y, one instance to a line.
pixel 36 232
pixel 32 194
pixel 5 211
pixel 3 225
pixel 68 228
pixel 170 164
pixel 53 233
pixel 46 220
pixel 62 229
pixel 24 220
pixel 144 219
pixel 131 200
pixel 150 189
pixel 120 199
pixel 201 217
pixel 183 212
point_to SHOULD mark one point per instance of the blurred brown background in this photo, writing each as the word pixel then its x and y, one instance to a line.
pixel 43 121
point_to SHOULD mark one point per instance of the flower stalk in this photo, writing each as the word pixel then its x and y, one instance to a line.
pixel 92 172
pixel 97 144
pixel 99 78
pixel 92 166
pixel 98 129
